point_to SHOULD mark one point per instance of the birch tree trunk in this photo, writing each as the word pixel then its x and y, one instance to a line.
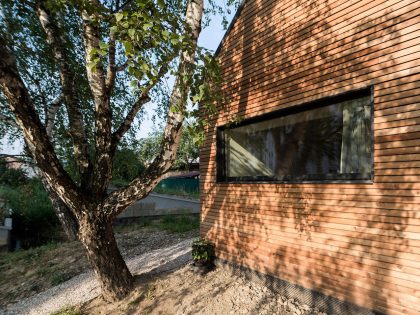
pixel 103 254
pixel 88 201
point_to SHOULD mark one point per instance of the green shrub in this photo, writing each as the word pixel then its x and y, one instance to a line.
pixel 203 251
pixel 34 219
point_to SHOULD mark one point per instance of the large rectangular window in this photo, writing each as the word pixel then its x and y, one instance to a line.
pixel 330 139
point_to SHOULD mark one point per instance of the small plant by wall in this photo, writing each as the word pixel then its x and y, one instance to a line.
pixel 203 253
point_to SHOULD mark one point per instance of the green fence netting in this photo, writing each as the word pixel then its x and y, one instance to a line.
pixel 189 186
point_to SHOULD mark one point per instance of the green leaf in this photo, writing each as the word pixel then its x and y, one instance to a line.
pixel 102 52
pixel 93 52
pixel 103 46
pixel 147 26
pixel 165 34
pixel 131 32
pixel 119 16
pixel 128 47
pixel 145 67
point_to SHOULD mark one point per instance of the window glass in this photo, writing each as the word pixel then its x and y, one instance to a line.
pixel 328 142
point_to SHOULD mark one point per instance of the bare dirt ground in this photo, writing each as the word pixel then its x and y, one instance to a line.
pixel 48 279
pixel 26 273
pixel 184 291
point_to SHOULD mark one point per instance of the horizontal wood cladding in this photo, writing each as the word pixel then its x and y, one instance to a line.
pixel 374 28
pixel 337 239
pixel 261 248
pixel 333 12
pixel 405 100
pixel 358 242
pixel 343 53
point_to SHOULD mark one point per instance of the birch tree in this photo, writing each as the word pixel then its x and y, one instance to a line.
pixel 74 76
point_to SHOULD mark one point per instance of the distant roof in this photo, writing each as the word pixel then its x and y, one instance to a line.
pixel 232 23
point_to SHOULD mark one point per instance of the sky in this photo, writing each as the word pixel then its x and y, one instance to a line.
pixel 210 38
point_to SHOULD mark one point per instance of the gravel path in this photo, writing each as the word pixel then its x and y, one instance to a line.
pixel 85 287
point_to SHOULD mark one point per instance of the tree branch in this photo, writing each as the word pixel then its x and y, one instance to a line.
pixel 142 185
pixel 111 71
pixel 122 67
pixel 143 99
pixel 51 114
pixel 33 131
pixel 112 68
pixel 18 158
pixel 103 158
pixel 77 130
pixel 122 7
pixel 125 126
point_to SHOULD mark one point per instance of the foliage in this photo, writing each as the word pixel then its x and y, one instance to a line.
pixel 189 147
pixel 34 219
pixel 188 151
pixel 126 166
pixel 149 147
pixel 203 251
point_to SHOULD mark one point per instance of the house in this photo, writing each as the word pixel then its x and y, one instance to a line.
pixel 18 164
pixel 318 185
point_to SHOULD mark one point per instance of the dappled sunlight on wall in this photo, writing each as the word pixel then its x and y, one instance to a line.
pixel 358 242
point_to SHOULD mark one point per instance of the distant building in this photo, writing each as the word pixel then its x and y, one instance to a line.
pixel 17 164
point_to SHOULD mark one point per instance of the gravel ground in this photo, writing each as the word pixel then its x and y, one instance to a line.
pixel 29 272
pixel 219 292
pixel 188 292
pixel 167 284
pixel 85 287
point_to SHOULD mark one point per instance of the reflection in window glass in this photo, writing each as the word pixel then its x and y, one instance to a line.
pixel 329 142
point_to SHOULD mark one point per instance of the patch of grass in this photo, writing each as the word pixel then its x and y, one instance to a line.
pixel 30 271
pixel 171 223
pixel 179 223
pixel 27 255
pixel 57 278
pixel 150 292
pixel 68 311
pixel 43 271
pixel 141 223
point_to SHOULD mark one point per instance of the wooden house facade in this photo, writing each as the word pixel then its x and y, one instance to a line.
pixel 317 182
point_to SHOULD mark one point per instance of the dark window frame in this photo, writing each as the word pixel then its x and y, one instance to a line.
pixel 320 178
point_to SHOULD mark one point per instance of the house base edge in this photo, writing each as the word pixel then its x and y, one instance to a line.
pixel 312 298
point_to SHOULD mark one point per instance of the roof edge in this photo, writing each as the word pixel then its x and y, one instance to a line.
pixel 232 23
